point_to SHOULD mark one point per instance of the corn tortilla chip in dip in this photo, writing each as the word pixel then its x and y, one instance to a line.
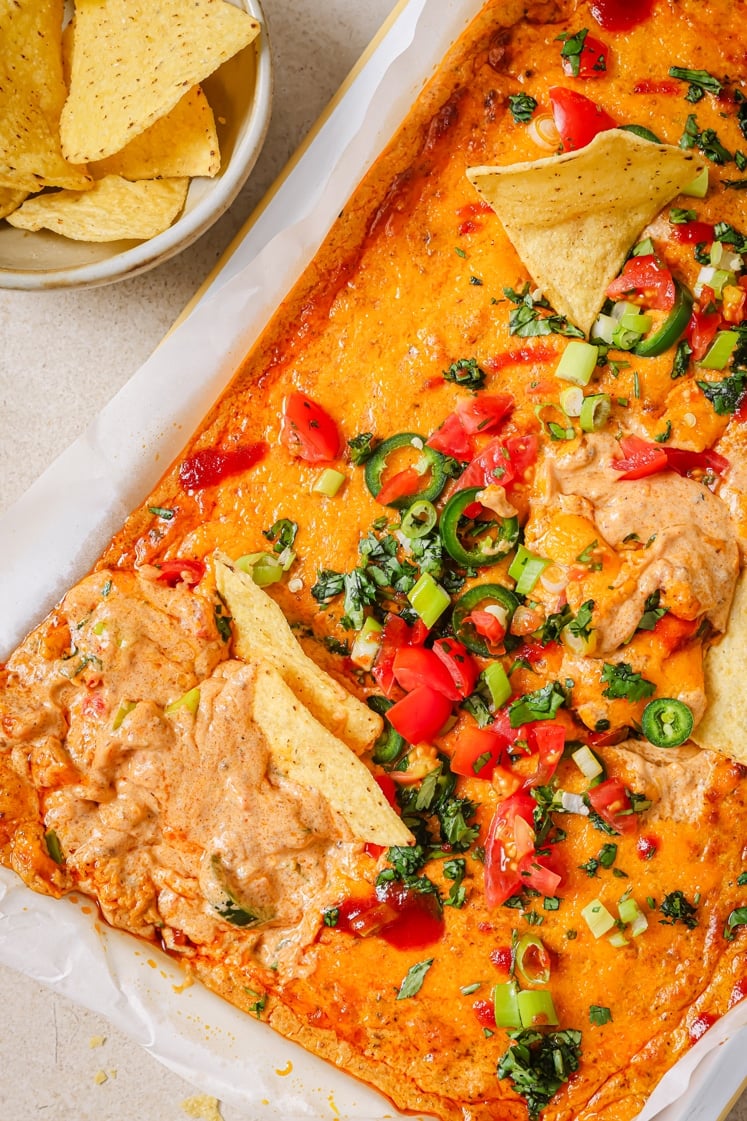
pixel 134 61
pixel 724 726
pixel 262 631
pixel 304 751
pixel 113 210
pixel 573 218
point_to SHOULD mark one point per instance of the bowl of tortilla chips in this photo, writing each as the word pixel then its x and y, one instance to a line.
pixel 126 130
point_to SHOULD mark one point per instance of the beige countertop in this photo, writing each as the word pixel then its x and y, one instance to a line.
pixel 64 354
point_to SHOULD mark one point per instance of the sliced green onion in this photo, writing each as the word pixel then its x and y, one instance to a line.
pixel 717 279
pixel 54 848
pixel 100 627
pixel 603 330
pixel 329 482
pixel 638 925
pixel 577 362
pixel 533 960
pixel 557 432
pixel 624 339
pixel 572 399
pixel 618 940
pixel 189 701
pixel 587 762
pixel 697 188
pixel 624 307
pixel 724 258
pixel 124 709
pixel 597 918
pixel 429 600
pixel 720 351
pixel 419 519
pixel 628 909
pixel 526 569
pixel 595 412
pixel 636 321
pixel 498 684
pixel 644 248
pixel 264 568
pixel 367 644
pixel 536 1008
pixel 506 1005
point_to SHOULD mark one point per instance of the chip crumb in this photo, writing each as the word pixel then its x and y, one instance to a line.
pixel 96 1041
pixel 202 1107
pixel 100 1077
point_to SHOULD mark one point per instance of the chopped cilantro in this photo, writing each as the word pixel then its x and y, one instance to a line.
pixel 459 251
pixel 466 372
pixel 590 867
pixel 331 916
pixel 678 216
pixel 701 82
pixel 335 646
pixel 468 990
pixel 361 447
pixel 676 908
pixel 738 917
pixel 731 236
pixel 662 437
pixel 706 142
pixel 258 1006
pixel 538 1063
pixel 573 47
pixel 455 870
pixel 681 362
pixel 579 627
pixel 725 395
pixel 622 681
pixel 651 612
pixel 542 704
pixel 526 322
pixel 161 512
pixel 413 981
pixel 587 556
pixel 283 533
pixel 599 1014
pixel 554 624
pixel 521 106
pixel 742 879
pixel 222 622
pixel 607 855
pixel 734 184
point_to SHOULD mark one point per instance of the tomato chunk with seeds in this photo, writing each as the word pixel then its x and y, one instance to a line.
pixel 307 430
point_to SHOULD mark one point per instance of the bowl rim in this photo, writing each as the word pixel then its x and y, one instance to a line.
pixel 159 249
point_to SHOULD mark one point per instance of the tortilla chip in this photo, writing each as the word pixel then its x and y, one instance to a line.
pixel 10 200
pixel 184 142
pixel 304 751
pixel 573 218
pixel 114 209
pixel 32 93
pixel 30 156
pixel 262 631
pixel 724 726
pixel 134 60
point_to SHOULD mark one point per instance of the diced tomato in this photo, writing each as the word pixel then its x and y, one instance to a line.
pixel 488 626
pixel 534 652
pixel 647 847
pixel 459 662
pixel 363 917
pixel 403 483
pixel 210 466
pixel 683 461
pixel 644 281
pixel 520 356
pixel 477 752
pixel 396 634
pixel 469 226
pixel 451 439
pixel 665 86
pixel 420 715
pixel 484 1010
pixel 620 15
pixel 703 325
pixel 700 1026
pixel 547 738
pixel 181 570
pixel 592 62
pixel 418 920
pixel 640 458
pixel 501 461
pixel 577 118
pixel 471 209
pixel 307 430
pixel 416 665
pixel 388 788
pixel 501 958
pixel 534 873
pixel 484 413
pixel 372 850
pixel 673 632
pixel 611 801
pixel 510 838
pixel 691 233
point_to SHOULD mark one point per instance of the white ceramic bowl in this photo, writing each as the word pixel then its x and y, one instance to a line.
pixel 240 95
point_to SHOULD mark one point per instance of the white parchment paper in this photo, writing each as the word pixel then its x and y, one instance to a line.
pixel 53 534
